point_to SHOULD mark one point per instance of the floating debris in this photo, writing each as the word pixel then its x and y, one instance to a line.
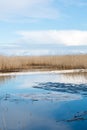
pixel 75 119
pixel 79 116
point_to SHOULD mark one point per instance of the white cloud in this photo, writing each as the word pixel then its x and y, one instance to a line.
pixel 66 37
pixel 17 9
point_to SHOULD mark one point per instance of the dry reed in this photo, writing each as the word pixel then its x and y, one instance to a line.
pixel 21 63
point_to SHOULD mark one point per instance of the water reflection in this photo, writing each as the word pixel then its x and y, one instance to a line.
pixel 43 102
pixel 62 87
pixel 51 96
pixel 79 116
pixel 4 79
pixel 75 78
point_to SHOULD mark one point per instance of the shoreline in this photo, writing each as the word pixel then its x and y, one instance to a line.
pixel 44 72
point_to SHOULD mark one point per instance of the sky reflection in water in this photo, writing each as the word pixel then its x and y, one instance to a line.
pixel 43 101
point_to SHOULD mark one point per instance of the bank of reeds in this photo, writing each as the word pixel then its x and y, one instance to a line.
pixel 25 63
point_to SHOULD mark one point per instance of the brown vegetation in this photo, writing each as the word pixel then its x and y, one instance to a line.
pixel 21 63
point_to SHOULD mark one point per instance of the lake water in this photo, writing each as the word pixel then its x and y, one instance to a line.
pixel 43 101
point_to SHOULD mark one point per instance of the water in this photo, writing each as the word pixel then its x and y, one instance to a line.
pixel 43 102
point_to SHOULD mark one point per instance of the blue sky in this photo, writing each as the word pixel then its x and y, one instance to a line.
pixel 42 26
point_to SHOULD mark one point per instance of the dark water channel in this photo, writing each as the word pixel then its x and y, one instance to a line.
pixel 43 102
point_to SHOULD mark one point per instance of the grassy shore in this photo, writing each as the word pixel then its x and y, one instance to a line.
pixel 27 63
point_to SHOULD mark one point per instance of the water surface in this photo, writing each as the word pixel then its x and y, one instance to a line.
pixel 43 102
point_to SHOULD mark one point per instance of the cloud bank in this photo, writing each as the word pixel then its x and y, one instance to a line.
pixel 65 37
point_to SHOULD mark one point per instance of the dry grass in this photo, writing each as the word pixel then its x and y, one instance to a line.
pixel 21 63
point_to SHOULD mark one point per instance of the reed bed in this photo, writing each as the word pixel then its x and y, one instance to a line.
pixel 25 63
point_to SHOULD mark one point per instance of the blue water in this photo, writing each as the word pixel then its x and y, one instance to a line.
pixel 43 102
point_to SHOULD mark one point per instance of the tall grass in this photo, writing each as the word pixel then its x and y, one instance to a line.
pixel 20 63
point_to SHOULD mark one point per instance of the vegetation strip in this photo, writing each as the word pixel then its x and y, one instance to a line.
pixel 42 63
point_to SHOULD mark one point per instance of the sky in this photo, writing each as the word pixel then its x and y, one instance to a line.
pixel 43 27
